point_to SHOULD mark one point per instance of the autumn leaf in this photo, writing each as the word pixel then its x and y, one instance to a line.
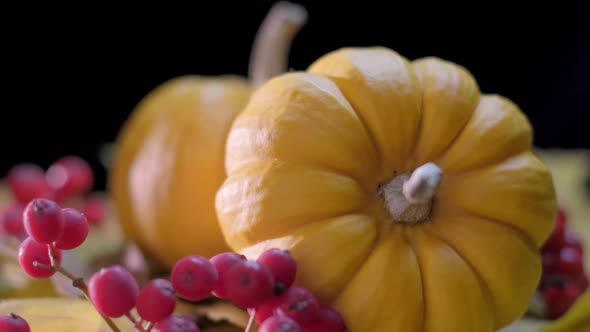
pixel 61 315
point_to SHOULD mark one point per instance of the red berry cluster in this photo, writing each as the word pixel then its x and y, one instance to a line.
pixel 265 287
pixel 564 278
pixel 50 229
pixel 114 292
pixel 66 178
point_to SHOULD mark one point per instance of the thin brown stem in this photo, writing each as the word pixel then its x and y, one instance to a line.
pixel 149 326
pixel 136 322
pixel 273 41
pixel 63 271
pixel 81 285
pixel 250 321
pixel 52 255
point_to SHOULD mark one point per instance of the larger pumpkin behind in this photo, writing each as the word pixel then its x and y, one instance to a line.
pixel 168 163
pixel 411 200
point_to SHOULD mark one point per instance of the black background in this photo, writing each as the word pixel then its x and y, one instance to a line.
pixel 70 76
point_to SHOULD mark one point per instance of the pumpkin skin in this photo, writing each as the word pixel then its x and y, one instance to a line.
pixel 169 165
pixel 307 163
pixel 169 160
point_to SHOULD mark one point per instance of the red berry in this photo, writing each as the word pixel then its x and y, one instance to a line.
pixel 268 308
pixel 299 304
pixel 550 261
pixel 156 300
pixel 94 210
pixel 559 300
pixel 44 220
pixel 31 251
pixel 75 230
pixel 282 265
pixel 570 263
pixel 113 290
pixel 13 323
pixel 27 181
pixel 176 324
pixel 556 238
pixel 11 220
pixel 248 284
pixel 222 262
pixel 194 277
pixel 551 293
pixel 70 176
pixel 279 324
pixel 326 320
pixel 572 241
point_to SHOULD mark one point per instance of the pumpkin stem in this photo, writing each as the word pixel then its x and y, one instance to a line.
pixel 273 41
pixel 422 184
pixel 408 196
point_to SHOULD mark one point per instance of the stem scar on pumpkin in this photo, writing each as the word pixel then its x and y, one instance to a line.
pixel 408 196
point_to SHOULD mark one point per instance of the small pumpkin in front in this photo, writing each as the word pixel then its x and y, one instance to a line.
pixel 411 200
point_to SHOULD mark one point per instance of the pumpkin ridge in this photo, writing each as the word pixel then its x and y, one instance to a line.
pixel 240 227
pixel 539 212
pixel 363 183
pixel 471 169
pixel 359 85
pixel 451 143
pixel 254 136
pixel 453 99
pixel 286 232
pixel 484 287
pixel 374 245
pixel 483 99
pixel 519 232
pixel 412 246
pixel 359 116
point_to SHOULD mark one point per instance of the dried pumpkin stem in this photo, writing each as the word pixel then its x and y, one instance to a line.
pixel 273 41
pixel 422 184
pixel 408 196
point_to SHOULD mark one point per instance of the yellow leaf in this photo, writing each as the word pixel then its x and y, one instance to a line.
pixel 61 315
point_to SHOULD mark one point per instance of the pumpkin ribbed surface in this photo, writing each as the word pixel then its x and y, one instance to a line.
pixel 318 162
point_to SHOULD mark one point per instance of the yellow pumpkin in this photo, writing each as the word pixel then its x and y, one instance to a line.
pixel 411 200
pixel 168 160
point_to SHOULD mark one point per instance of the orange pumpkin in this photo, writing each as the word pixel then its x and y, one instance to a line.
pixel 411 200
pixel 168 161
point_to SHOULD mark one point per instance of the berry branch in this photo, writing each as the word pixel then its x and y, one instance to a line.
pixel 136 322
pixel 264 287
pixel 149 326
pixel 76 281
pixel 250 321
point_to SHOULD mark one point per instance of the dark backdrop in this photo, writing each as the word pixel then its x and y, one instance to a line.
pixel 70 76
